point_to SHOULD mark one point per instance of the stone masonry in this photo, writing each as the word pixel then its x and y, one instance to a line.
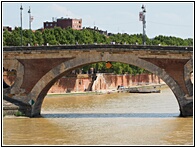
pixel 38 68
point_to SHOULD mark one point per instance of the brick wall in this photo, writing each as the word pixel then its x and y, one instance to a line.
pixel 102 82
pixel 71 84
pixel 83 82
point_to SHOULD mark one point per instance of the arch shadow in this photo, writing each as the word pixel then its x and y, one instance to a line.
pixel 112 115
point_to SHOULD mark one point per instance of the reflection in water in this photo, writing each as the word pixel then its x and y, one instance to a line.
pixel 110 119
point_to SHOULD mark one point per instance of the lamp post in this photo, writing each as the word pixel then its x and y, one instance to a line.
pixel 29 26
pixel 21 22
pixel 143 19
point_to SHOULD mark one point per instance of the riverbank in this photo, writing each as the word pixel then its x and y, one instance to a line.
pixel 108 91
pixel 101 82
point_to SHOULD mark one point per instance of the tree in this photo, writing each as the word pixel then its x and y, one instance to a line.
pixel 59 35
pixel 38 38
pixel 14 39
pixel 49 37
pixel 6 36
pixel 87 36
pixel 68 34
pixel 79 37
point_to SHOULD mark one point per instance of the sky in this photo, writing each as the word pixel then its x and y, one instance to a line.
pixel 162 18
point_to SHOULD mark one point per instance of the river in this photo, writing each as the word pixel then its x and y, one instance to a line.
pixel 106 119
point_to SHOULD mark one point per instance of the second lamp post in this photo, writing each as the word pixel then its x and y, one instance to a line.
pixel 143 19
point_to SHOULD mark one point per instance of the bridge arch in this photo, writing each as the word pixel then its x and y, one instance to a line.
pixel 40 90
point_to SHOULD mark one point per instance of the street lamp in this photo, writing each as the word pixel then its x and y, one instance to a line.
pixel 29 17
pixel 21 22
pixel 143 19
pixel 29 25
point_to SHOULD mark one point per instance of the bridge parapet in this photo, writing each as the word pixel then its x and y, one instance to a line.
pixel 71 51
pixel 92 47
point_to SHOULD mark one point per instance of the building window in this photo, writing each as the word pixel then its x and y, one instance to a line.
pixel 46 24
pixel 50 24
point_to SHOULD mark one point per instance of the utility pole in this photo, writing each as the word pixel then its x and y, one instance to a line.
pixel 143 19
pixel 29 26
pixel 21 22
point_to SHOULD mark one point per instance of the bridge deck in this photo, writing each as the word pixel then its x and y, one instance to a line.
pixel 96 47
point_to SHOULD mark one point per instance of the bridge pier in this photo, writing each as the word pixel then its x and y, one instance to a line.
pixel 187 110
pixel 13 106
pixel 186 107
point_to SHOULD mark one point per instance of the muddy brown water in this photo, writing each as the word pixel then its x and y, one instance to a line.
pixel 106 119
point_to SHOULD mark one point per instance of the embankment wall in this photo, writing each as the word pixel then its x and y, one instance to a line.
pixel 103 81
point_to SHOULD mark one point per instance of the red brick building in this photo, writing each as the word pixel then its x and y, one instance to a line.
pixel 75 24
pixel 7 28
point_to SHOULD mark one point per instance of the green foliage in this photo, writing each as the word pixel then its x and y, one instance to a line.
pixel 19 113
pixel 7 38
pixel 172 41
pixel 38 38
pixel 59 36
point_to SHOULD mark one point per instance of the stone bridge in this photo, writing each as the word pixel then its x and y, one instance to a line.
pixel 39 67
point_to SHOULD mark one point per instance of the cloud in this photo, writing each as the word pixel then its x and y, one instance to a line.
pixel 171 18
pixel 62 11
pixel 88 21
